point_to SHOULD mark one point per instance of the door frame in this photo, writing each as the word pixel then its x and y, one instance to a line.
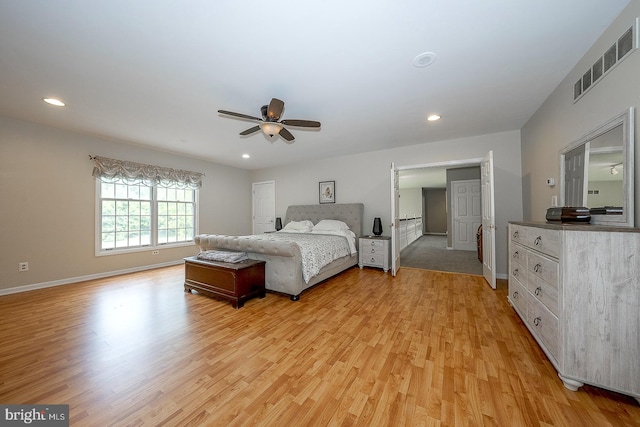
pixel 475 161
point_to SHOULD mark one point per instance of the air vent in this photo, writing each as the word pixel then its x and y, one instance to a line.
pixel 627 43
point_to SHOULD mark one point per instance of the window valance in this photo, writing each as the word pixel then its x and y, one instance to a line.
pixel 112 170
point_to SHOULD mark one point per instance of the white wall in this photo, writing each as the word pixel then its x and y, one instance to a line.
pixel 410 202
pixel 560 122
pixel 48 203
pixel 366 178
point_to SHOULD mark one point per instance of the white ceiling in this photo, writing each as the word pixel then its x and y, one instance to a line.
pixel 155 72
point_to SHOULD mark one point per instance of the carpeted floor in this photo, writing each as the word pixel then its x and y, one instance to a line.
pixel 430 253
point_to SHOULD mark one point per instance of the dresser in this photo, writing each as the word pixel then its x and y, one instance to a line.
pixel 374 252
pixel 577 290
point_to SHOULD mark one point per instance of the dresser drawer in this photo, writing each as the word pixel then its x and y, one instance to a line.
pixel 545 325
pixel 517 233
pixel 370 250
pixel 518 272
pixel 368 245
pixel 543 268
pixel 373 259
pixel 518 254
pixel 544 292
pixel 519 297
pixel 543 240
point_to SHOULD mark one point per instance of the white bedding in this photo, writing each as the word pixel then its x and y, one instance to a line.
pixel 317 249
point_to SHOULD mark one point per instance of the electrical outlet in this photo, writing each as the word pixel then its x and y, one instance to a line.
pixel 155 252
pixel 23 266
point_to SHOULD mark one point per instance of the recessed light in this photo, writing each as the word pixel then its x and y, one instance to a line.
pixel 433 117
pixel 54 101
pixel 245 156
pixel 424 59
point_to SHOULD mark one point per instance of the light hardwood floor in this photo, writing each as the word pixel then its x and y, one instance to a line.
pixel 424 348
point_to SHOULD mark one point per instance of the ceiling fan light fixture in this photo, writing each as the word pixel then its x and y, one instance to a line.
pixel 271 128
pixel 613 170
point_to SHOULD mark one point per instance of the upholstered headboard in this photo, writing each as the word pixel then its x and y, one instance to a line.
pixel 349 213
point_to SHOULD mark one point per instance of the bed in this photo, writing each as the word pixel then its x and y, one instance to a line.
pixel 284 271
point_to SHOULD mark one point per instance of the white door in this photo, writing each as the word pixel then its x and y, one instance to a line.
pixel 467 213
pixel 576 164
pixel 264 206
pixel 395 220
pixel 488 221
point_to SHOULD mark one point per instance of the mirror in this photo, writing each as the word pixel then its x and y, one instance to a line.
pixel 597 172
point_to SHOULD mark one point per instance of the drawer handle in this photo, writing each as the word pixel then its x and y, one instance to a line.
pixel 373 243
pixel 538 291
pixel 515 273
pixel 516 254
pixel 373 259
pixel 538 268
pixel 538 240
pixel 373 251
pixel 516 234
pixel 515 295
pixel 537 321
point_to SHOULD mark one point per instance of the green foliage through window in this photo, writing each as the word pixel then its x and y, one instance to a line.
pixel 128 213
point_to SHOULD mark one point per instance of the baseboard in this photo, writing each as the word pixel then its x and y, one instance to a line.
pixel 68 281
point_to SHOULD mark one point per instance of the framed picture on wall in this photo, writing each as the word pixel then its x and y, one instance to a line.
pixel 327 192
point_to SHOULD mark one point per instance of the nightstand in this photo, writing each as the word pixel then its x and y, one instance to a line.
pixel 374 252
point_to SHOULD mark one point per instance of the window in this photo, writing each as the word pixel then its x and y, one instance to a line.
pixel 140 206
pixel 176 214
pixel 134 216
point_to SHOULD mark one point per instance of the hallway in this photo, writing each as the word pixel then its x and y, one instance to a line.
pixel 430 252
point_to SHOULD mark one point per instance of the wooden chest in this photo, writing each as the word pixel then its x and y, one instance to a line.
pixel 234 282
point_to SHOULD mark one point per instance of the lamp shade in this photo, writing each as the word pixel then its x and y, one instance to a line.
pixel 278 224
pixel 377 226
pixel 271 128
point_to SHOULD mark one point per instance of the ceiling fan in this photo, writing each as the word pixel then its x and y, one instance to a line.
pixel 270 122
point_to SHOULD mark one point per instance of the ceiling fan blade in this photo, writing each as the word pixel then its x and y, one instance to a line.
pixel 301 123
pixel 286 135
pixel 275 109
pixel 242 116
pixel 250 130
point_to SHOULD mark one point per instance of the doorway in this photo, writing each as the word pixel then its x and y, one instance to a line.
pixel 482 164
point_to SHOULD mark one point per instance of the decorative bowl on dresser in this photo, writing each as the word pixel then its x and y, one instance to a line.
pixel 234 282
pixel 374 252
pixel 577 289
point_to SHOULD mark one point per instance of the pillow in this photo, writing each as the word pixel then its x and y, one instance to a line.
pixel 330 225
pixel 299 226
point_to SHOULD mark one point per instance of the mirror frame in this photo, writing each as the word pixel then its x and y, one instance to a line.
pixel 626 120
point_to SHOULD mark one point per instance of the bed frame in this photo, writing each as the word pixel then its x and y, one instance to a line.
pixel 283 271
